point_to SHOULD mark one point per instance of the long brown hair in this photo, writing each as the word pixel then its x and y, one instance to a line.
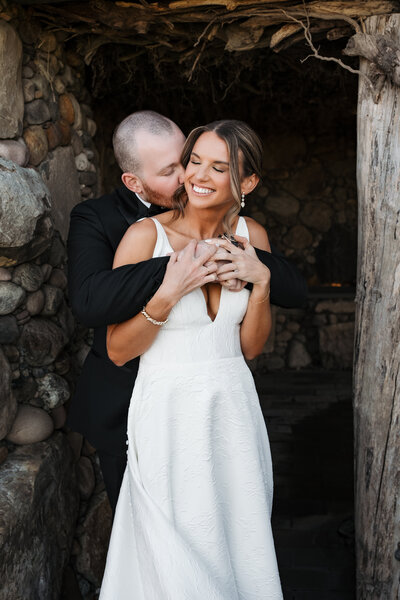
pixel 239 138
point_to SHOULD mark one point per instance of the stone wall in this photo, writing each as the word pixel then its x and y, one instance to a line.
pixel 50 481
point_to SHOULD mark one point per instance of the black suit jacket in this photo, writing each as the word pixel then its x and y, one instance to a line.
pixel 101 296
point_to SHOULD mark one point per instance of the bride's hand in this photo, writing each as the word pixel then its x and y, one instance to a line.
pixel 240 264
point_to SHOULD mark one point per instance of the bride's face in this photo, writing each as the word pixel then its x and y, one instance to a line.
pixel 207 180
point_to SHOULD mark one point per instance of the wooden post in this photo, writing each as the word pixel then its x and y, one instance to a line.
pixel 377 340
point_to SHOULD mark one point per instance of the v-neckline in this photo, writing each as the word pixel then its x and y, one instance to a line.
pixel 200 288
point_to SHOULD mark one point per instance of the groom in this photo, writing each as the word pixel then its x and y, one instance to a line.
pixel 147 147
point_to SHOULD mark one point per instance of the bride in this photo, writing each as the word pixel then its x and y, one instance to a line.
pixel 193 515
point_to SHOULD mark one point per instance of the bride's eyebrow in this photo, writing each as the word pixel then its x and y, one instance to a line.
pixel 216 162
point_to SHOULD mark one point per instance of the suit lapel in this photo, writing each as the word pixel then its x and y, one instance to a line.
pixel 130 206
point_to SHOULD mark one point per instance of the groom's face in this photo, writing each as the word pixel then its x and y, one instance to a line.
pixel 161 171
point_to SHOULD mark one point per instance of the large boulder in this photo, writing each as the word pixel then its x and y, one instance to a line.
pixel 11 92
pixel 38 511
pixel 41 341
pixel 32 424
pixel 60 175
pixel 25 223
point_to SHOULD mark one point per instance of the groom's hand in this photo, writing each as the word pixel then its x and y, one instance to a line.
pixel 187 270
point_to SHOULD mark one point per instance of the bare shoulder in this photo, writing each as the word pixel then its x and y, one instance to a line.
pixel 137 244
pixel 258 235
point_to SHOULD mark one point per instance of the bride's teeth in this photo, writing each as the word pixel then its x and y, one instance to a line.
pixel 200 190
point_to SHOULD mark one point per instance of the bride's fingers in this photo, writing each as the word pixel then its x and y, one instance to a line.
pixel 226 276
pixel 226 268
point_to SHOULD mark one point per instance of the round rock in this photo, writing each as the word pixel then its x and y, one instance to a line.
pixel 29 276
pixel 53 297
pixel 36 140
pixel 25 206
pixel 11 296
pixel 8 403
pixel 58 279
pixel 53 390
pixel 35 302
pixel 41 340
pixel 32 424
pixel 16 151
pixel 37 111
pixel 9 331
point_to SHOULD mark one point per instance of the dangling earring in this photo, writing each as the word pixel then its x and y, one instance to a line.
pixel 242 204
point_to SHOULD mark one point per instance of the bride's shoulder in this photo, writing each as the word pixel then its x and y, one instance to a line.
pixel 258 236
pixel 137 244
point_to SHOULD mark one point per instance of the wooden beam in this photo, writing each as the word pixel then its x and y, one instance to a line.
pixel 377 340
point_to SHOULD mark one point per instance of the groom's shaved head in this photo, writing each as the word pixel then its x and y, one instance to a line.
pixel 126 148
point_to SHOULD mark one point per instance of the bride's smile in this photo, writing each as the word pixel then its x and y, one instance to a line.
pixel 207 176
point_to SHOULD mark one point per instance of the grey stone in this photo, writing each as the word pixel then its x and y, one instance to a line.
pixel 37 112
pixel 31 425
pixel 39 503
pixel 94 540
pixel 298 355
pixel 336 345
pixel 341 306
pixel 27 72
pixel 11 93
pixel 62 180
pixel 89 178
pixel 317 214
pixel 91 127
pixel 11 296
pixel 9 331
pixel 5 274
pixel 41 341
pixel 82 162
pixel 46 270
pixel 8 403
pixel 86 478
pixel 41 86
pixel 25 223
pixel 57 254
pixel 283 207
pixel 29 276
pixel 59 85
pixel 35 302
pixel 298 237
pixel 53 390
pixel 15 151
pixel 29 88
pixel 53 297
pixel 76 144
pixel 58 278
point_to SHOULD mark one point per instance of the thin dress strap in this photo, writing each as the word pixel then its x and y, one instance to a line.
pixel 162 244
pixel 242 229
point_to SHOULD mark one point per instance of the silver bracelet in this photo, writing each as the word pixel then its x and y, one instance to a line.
pixel 149 318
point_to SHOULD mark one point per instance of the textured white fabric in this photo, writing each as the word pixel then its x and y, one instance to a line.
pixel 193 515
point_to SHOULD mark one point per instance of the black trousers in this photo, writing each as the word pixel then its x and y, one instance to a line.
pixel 112 468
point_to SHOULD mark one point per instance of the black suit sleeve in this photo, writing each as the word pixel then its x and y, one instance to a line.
pixel 98 294
pixel 288 286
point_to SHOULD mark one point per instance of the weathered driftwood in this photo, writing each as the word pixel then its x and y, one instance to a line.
pixel 382 50
pixel 377 341
pixel 241 24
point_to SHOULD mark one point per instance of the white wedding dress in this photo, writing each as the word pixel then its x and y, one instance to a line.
pixel 193 515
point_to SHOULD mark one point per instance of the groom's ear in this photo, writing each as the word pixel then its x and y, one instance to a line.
pixel 249 183
pixel 132 182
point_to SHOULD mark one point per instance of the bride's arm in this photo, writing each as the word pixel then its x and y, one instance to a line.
pixel 133 337
pixel 256 325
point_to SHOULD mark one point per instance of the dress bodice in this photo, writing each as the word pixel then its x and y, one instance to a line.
pixel 190 335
